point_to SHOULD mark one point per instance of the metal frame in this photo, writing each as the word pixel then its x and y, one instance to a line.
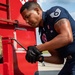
pixel 7 5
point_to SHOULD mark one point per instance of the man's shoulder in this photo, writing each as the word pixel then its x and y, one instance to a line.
pixel 54 8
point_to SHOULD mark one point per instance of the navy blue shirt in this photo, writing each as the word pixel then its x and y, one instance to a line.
pixel 47 32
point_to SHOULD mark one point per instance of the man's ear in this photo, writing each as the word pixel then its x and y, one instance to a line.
pixel 37 9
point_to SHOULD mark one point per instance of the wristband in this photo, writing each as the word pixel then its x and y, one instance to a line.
pixel 41 59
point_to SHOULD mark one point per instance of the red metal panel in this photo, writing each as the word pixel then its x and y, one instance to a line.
pixel 8 68
pixel 23 67
pixel 15 63
pixel 1 69
pixel 26 38
pixel 6 30
pixel 3 13
pixel 18 66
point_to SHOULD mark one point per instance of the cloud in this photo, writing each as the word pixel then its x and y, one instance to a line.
pixel 69 1
pixel 41 2
pixel 55 1
pixel 65 1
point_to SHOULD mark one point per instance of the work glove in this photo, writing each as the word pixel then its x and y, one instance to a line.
pixel 33 55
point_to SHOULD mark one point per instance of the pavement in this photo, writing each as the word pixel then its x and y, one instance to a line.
pixel 48 69
pixel 47 66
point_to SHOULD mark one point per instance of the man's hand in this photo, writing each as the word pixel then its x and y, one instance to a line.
pixel 33 55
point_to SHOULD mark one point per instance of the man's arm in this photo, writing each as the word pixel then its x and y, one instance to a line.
pixel 54 58
pixel 63 38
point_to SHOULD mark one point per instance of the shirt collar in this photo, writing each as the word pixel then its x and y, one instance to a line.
pixel 44 15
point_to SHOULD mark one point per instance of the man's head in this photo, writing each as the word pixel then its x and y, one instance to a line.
pixel 31 13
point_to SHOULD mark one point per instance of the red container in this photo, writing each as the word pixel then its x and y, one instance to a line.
pixel 14 62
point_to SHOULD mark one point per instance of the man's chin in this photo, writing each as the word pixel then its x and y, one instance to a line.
pixel 34 26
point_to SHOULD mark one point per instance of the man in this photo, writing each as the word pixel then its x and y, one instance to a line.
pixel 57 33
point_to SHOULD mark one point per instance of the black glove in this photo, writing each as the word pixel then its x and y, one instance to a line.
pixel 41 58
pixel 33 54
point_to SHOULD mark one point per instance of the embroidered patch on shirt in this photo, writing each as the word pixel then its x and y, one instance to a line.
pixel 56 13
pixel 44 38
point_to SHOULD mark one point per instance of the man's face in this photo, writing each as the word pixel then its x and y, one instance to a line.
pixel 32 17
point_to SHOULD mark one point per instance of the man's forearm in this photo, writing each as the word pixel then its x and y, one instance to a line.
pixel 54 60
pixel 55 43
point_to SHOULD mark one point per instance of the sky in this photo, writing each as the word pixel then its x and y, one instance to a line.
pixel 47 4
